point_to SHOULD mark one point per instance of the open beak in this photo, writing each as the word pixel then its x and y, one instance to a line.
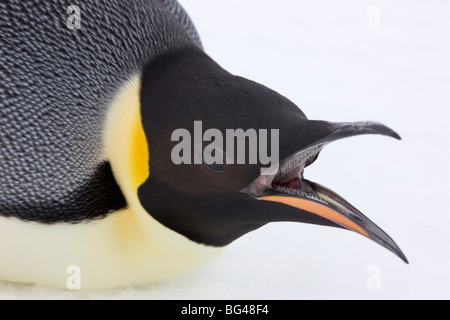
pixel 289 187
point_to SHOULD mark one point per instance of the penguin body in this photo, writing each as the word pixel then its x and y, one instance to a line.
pixel 87 118
pixel 61 89
pixel 122 248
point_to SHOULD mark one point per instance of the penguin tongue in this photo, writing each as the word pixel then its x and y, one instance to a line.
pixel 297 185
pixel 290 178
pixel 294 184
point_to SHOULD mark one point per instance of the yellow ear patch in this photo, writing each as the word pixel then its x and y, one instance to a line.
pixel 139 155
pixel 126 145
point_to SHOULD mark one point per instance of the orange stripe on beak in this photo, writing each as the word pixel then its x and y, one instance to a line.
pixel 318 209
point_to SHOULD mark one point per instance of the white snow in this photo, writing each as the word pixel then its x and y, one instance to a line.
pixel 322 56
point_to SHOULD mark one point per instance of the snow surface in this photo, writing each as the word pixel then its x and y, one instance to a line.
pixel 322 56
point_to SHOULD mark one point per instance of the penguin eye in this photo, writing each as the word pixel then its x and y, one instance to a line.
pixel 216 160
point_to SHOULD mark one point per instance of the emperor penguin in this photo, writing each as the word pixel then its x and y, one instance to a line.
pixel 90 98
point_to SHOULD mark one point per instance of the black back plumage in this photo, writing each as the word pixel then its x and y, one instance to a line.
pixel 56 85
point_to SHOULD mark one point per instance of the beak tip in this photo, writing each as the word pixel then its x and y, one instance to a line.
pixel 404 259
pixel 348 129
pixel 385 241
pixel 395 135
pixel 384 130
pixel 400 254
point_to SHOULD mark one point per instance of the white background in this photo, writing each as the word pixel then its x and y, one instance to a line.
pixel 322 55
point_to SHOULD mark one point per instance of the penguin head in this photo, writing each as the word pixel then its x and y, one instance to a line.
pixel 210 137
